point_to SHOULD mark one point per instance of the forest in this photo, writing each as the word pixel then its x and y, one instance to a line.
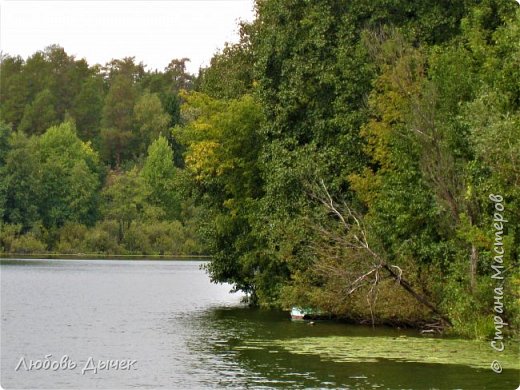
pixel 357 157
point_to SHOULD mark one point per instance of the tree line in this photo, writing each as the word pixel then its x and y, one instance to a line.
pixel 87 157
pixel 340 156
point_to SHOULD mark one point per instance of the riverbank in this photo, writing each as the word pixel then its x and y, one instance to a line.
pixel 94 256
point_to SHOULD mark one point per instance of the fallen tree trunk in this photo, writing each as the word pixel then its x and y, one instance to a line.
pixel 355 237
pixel 404 284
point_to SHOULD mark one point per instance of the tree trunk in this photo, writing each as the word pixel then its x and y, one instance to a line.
pixel 473 267
pixel 417 296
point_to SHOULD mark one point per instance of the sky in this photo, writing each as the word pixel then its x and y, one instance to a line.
pixel 154 32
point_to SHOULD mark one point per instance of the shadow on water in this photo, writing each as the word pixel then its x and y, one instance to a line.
pixel 245 336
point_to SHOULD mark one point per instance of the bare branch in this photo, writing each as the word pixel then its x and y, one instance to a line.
pixel 353 241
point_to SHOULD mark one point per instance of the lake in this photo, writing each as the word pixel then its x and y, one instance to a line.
pixel 184 332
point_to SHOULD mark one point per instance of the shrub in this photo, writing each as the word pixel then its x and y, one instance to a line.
pixel 136 240
pixel 72 238
pixel 102 238
pixel 27 243
pixel 8 233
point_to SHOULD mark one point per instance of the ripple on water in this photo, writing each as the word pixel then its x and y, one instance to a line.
pixel 188 333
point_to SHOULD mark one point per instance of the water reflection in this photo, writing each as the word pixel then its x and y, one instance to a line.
pixel 184 332
pixel 237 340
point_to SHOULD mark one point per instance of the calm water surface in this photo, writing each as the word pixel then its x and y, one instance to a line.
pixel 183 331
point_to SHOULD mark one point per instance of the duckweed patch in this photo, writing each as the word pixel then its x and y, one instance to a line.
pixel 346 349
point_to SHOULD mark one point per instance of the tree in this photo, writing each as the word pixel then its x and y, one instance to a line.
pixel 24 84
pixel 177 75
pixel 117 120
pixel 312 74
pixel 21 178
pixel 15 91
pixel 426 188
pixel 222 158
pixel 39 115
pixel 36 74
pixel 87 108
pixel 115 146
pixel 66 77
pixel 350 251
pixel 5 136
pixel 52 178
pixel 69 177
pixel 150 120
pixel 119 105
pixel 126 68
pixel 159 174
pixel 124 199
pixel 230 74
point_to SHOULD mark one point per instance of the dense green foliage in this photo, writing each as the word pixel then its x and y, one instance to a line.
pixel 407 113
pixel 339 151
pixel 87 161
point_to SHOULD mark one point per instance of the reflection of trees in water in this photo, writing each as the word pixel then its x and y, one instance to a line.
pixel 236 346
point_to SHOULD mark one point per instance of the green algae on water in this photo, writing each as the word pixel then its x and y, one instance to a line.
pixel 339 349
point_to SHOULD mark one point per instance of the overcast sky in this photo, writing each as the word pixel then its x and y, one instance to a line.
pixel 153 31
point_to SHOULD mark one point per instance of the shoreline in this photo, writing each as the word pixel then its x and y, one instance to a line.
pixel 424 327
pixel 98 256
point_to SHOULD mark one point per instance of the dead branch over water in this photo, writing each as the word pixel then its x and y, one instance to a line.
pixel 352 241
